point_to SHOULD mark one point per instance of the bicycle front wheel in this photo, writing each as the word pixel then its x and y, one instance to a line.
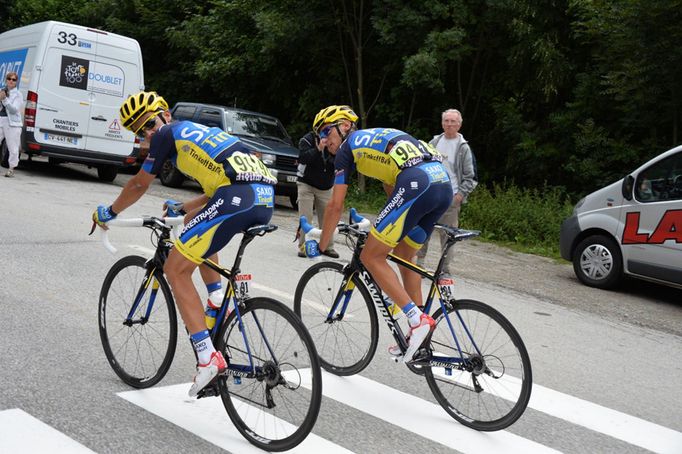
pixel 275 403
pixel 490 387
pixel 346 342
pixel 137 322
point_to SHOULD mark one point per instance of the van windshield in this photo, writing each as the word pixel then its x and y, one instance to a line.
pixel 252 125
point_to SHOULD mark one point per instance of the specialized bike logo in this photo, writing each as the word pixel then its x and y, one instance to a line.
pixel 74 73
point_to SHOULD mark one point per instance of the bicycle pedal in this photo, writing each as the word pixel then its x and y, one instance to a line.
pixel 209 391
pixel 420 358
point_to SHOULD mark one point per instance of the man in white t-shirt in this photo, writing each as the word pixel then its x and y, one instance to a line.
pixel 461 166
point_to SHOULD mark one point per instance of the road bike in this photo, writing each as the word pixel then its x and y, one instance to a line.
pixel 270 354
pixel 474 361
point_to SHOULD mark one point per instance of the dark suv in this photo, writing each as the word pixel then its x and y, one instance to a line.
pixel 263 132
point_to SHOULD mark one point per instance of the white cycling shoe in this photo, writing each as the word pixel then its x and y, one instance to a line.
pixel 415 337
pixel 207 372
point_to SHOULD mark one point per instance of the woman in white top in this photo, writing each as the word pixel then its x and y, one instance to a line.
pixel 10 119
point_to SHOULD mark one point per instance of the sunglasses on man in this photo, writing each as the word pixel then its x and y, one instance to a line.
pixel 146 127
pixel 13 79
pixel 324 132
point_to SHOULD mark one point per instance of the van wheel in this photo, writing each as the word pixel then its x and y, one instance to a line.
pixel 107 173
pixel 170 176
pixel 598 262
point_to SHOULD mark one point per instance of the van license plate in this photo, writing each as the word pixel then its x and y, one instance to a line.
pixel 63 139
pixel 291 178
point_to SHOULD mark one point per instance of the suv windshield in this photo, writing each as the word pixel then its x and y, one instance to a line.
pixel 248 124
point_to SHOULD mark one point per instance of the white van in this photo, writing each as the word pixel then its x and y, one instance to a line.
pixel 632 227
pixel 75 79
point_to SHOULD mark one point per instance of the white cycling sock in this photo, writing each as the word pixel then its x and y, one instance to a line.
pixel 413 314
pixel 203 346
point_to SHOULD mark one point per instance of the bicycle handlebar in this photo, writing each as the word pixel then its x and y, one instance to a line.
pixel 137 222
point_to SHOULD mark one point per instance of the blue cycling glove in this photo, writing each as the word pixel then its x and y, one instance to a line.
pixel 174 208
pixel 103 214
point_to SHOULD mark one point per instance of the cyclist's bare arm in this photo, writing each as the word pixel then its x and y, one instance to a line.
pixel 133 190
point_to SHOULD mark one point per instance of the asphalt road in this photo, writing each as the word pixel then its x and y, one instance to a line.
pixel 605 364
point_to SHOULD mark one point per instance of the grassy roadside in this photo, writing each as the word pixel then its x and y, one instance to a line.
pixel 525 220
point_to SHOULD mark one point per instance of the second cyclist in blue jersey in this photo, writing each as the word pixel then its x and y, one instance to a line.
pixel 238 193
pixel 419 192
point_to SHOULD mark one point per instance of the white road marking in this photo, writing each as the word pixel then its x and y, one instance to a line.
pixel 420 417
pixel 172 404
pixel 595 417
pixel 21 432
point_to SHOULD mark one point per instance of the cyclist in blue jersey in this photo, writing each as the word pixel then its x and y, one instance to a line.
pixel 418 191
pixel 238 193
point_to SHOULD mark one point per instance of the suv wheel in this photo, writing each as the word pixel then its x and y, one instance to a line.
pixel 598 262
pixel 107 173
pixel 170 176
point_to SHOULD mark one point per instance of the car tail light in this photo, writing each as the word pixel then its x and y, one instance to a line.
pixel 33 146
pixel 30 111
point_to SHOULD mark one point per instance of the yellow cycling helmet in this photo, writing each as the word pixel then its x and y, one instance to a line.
pixel 333 114
pixel 136 106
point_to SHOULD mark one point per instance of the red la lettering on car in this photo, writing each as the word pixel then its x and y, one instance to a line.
pixel 668 228
pixel 630 235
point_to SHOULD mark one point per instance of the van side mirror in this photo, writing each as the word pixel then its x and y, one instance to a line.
pixel 628 185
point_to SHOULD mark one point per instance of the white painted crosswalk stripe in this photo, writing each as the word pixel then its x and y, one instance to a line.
pixel 424 418
pixel 595 417
pixel 171 403
pixel 21 432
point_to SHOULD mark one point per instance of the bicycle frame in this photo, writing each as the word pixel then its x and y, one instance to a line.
pixel 356 267
pixel 157 262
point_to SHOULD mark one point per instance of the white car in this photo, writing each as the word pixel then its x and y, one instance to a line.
pixel 631 227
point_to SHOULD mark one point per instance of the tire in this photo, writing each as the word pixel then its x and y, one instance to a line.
pixel 598 262
pixel 294 374
pixel 170 176
pixel 141 353
pixel 500 365
pixel 293 199
pixel 345 346
pixel 107 173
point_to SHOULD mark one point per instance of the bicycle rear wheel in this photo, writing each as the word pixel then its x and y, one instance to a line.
pixel 347 344
pixel 276 407
pixel 491 389
pixel 140 348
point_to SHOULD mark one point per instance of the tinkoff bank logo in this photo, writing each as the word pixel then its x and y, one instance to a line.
pixel 74 73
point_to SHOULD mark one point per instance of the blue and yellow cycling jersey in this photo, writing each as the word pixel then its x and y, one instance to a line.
pixel 380 153
pixel 209 155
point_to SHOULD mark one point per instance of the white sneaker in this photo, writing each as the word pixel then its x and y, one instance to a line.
pixel 417 335
pixel 207 372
